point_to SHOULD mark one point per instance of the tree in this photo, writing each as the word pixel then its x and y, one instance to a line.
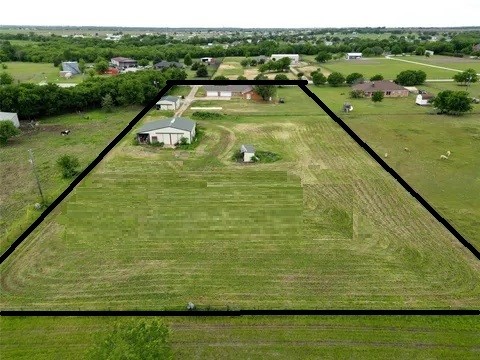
pixel 187 60
pixel 335 79
pixel 376 77
pixel 202 71
pixel 265 91
pixel 7 130
pixel 101 66
pixel 396 50
pixel 68 165
pixel 143 62
pixel 318 78
pixel 420 50
pixel 323 56
pixel 467 76
pixel 220 77
pixel 452 102
pixel 82 65
pixel 411 77
pixel 196 65
pixel 281 77
pixel 6 78
pixel 354 78
pixel 245 62
pixel 138 339
pixel 107 103
pixel 357 94
pixel 300 74
pixel 377 96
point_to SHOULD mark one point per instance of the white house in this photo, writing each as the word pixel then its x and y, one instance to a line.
pixel 168 103
pixel 169 131
pixel 423 99
pixel 248 152
pixel 353 55
pixel 13 117
pixel 294 57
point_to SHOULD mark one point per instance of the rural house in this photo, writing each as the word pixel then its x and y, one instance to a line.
pixel 389 88
pixel 8 116
pixel 353 55
pixel 423 99
pixel 168 103
pixel 71 67
pixel 123 63
pixel 295 58
pixel 169 131
pixel 227 91
pixel 248 152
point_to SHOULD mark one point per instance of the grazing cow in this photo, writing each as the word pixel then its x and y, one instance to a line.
pixel 65 132
pixel 448 153
pixel 443 157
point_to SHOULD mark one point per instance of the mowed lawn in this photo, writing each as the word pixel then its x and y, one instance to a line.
pixel 325 227
pixel 389 68
pixel 90 134
pixel 38 72
pixel 230 67
pixel 260 337
pixel 390 126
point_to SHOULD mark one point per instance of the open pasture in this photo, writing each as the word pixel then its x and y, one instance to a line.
pixel 325 227
pixel 38 72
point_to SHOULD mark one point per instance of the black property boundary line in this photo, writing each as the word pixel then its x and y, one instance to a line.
pixel 170 83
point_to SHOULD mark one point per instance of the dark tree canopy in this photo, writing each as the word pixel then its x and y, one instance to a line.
pixel 376 77
pixel 452 102
pixel 318 78
pixel 411 77
pixel 468 76
pixel 335 79
pixel 187 60
pixel 7 130
pixel 265 91
pixel 323 56
pixel 354 78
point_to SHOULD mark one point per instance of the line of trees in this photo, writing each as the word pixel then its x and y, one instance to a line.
pixel 32 101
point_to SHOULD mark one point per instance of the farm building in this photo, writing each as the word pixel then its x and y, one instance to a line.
pixel 13 117
pixel 294 57
pixel 227 91
pixel 429 52
pixel 353 56
pixel 71 66
pixel 123 63
pixel 207 60
pixel 168 103
pixel 389 88
pixel 169 131
pixel 167 64
pixel 423 99
pixel 248 152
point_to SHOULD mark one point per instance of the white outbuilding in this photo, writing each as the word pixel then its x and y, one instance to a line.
pixel 353 55
pixel 248 152
pixel 423 99
pixel 168 103
pixel 295 58
pixel 8 116
pixel 169 131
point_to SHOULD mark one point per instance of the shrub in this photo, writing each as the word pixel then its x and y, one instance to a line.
pixel 220 77
pixel 265 157
pixel 158 144
pixel 377 96
pixel 357 94
pixel 68 165
pixel 318 78
pixel 354 78
pixel 7 130
pixel 237 155
pixel 241 77
pixel 203 115
pixel 336 79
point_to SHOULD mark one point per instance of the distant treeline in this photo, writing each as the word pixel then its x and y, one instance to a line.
pixel 55 48
pixel 31 101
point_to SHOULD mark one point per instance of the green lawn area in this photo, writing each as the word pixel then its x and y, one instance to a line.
pixel 180 91
pixel 19 193
pixel 325 227
pixel 448 61
pixel 230 67
pixel 388 68
pixel 38 72
pixel 261 337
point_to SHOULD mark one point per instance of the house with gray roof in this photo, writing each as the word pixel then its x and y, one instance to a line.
pixel 168 131
pixel 168 103
pixel 71 66
pixel 8 116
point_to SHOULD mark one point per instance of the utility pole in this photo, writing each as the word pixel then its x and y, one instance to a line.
pixel 32 161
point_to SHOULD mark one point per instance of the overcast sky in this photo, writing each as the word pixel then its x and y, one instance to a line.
pixel 243 13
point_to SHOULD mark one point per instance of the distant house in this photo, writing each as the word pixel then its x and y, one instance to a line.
pixel 389 88
pixel 295 58
pixel 167 64
pixel 72 67
pixel 123 63
pixel 429 52
pixel 207 60
pixel 423 99
pixel 353 55
pixel 8 116
pixel 168 103
pixel 169 131
pixel 228 91
pixel 248 152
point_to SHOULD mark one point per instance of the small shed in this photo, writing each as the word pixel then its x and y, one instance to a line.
pixel 8 116
pixel 248 152
pixel 168 103
pixel 353 56
pixel 423 99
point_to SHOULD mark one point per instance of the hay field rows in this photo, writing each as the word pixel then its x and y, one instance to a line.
pixel 325 227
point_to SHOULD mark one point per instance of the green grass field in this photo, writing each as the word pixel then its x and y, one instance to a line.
pixel 327 337
pixel 38 72
pixel 387 67
pixel 325 227
pixel 230 67
pixel 19 191
pixel 448 61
